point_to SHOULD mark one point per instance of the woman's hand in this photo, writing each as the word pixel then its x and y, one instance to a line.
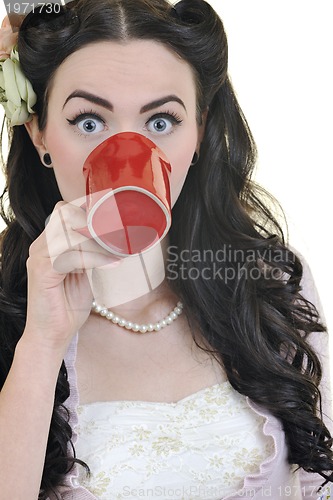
pixel 59 293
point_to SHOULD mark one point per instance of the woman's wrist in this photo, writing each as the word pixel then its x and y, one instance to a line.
pixel 42 354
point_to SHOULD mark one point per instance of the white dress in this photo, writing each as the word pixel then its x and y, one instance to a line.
pixel 200 447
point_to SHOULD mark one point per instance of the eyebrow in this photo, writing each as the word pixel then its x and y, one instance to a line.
pixel 108 105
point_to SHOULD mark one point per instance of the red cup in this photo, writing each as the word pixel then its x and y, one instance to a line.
pixel 127 194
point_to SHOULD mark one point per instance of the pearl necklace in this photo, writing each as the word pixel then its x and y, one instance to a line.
pixel 136 327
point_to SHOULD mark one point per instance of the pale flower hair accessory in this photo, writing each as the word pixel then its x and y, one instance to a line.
pixel 16 93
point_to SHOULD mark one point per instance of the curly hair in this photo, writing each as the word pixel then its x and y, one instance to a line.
pixel 253 318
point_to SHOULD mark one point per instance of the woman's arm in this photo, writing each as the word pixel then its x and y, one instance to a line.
pixel 26 405
pixel 59 302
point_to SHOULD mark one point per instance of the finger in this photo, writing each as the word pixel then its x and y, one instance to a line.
pixel 67 230
pixel 59 233
pixel 77 261
pixel 69 213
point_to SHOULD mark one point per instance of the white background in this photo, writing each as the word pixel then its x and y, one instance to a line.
pixel 280 62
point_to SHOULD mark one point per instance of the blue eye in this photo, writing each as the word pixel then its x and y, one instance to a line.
pixel 163 123
pixel 90 123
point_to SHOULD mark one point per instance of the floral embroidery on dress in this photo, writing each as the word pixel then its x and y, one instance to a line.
pixel 199 448
pixel 247 460
pixel 141 431
pixel 216 461
pixel 136 449
pixel 101 483
pixel 231 478
pixel 166 445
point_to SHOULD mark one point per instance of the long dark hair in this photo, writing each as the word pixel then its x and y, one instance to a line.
pixel 251 313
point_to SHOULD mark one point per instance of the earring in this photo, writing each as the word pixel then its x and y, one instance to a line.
pixel 195 159
pixel 47 159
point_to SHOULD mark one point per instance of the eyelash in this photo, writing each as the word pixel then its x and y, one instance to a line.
pixel 169 115
pixel 84 114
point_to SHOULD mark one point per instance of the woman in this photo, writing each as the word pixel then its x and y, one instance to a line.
pixel 222 402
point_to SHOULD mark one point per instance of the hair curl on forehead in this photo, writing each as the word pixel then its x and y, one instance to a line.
pixel 54 20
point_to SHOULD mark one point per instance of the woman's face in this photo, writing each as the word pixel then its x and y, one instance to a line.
pixel 140 86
